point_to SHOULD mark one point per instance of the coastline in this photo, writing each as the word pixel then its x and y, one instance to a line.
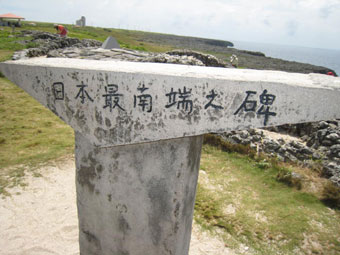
pixel 222 50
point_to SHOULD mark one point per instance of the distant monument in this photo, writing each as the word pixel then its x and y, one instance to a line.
pixel 110 43
pixel 81 22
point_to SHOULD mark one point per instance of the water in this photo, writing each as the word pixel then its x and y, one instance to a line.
pixel 321 57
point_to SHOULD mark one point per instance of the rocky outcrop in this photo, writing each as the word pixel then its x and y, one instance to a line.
pixel 206 59
pixel 174 57
pixel 52 45
pixel 309 144
pixel 47 42
pixel 281 148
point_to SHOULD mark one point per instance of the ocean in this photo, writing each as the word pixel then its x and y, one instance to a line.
pixel 321 57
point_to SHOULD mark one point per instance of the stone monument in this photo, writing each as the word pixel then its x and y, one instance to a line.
pixel 110 43
pixel 139 130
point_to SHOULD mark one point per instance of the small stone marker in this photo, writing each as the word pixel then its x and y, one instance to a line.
pixel 110 43
pixel 139 133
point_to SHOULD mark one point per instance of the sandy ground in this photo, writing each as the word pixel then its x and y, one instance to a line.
pixel 41 219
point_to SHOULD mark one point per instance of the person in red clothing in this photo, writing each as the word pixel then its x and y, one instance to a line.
pixel 61 30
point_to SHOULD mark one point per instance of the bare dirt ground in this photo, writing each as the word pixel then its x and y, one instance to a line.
pixel 41 218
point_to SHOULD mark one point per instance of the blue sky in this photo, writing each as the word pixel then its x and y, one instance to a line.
pixel 311 23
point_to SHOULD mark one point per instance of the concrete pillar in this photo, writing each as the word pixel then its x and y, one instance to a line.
pixel 136 199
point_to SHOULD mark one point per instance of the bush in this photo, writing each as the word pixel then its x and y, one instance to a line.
pixel 263 165
pixel 218 142
pixel 287 177
pixel 31 45
pixel 331 195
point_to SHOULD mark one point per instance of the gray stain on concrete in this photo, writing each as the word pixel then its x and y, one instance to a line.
pixel 159 197
pixel 98 116
pixel 89 169
pixel 94 241
pixel 107 122
pixel 123 225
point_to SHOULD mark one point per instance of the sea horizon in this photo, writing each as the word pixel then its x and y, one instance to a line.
pixel 329 58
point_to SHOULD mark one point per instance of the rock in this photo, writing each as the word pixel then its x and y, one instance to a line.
pixel 270 145
pixel 296 145
pixel 326 142
pixel 321 134
pixel 290 157
pixel 44 36
pixel 244 134
pixel 316 156
pixel 253 146
pixel 206 59
pixel 280 158
pixel 305 138
pixel 54 54
pixel 332 137
pixel 256 138
pixel 334 151
pixel 323 125
pixel 335 180
pixel 236 138
pixel 296 176
pixel 307 151
pixel 331 169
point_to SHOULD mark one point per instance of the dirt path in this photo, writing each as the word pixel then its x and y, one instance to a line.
pixel 41 219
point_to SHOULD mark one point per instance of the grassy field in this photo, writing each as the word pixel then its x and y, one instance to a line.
pixel 244 203
pixel 29 134
pixel 239 197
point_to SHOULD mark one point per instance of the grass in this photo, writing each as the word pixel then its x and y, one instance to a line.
pixel 126 38
pixel 9 43
pixel 29 134
pixel 246 204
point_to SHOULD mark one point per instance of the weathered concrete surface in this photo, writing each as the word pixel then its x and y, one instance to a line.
pixel 136 199
pixel 115 102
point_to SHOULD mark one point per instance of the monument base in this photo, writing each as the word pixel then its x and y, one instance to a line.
pixel 136 199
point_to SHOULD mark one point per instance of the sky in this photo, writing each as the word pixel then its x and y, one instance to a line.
pixel 309 23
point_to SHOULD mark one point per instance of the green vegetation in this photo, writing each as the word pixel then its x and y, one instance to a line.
pixel 135 40
pixel 29 134
pixel 126 38
pixel 9 43
pixel 331 195
pixel 244 197
pixel 242 201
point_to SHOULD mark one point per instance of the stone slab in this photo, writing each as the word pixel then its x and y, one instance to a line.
pixel 116 102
